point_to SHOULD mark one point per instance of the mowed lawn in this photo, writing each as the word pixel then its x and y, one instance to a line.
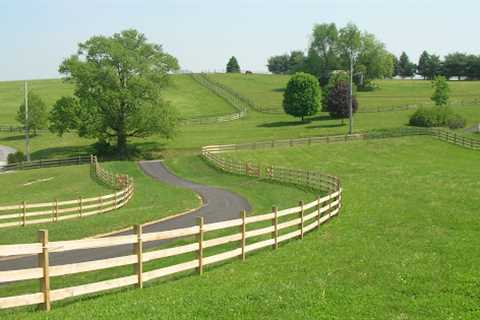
pixel 192 100
pixel 404 247
pixel 267 91
pixel 152 200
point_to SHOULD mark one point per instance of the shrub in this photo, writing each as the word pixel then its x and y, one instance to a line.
pixel 302 96
pixel 338 101
pixel 456 121
pixel 436 117
pixel 15 157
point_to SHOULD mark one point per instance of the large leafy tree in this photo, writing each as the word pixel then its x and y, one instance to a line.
pixel 118 83
pixel 302 96
pixel 278 64
pixel 456 65
pixel 323 51
pixel 233 66
pixel 37 113
pixel 423 63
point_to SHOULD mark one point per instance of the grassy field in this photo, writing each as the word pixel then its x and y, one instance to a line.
pixel 152 200
pixel 403 247
pixel 45 185
pixel 267 91
pixel 190 98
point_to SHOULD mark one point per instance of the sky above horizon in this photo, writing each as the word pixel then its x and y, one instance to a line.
pixel 37 35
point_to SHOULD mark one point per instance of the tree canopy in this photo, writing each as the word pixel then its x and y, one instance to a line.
pixel 118 83
pixel 233 66
pixel 302 96
pixel 441 91
pixel 405 67
pixel 37 113
pixel 338 103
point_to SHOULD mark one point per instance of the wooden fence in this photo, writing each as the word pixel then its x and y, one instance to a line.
pixel 33 213
pixel 47 163
pixel 233 100
pixel 245 234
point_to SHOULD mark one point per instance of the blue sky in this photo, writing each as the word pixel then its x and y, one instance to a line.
pixel 36 35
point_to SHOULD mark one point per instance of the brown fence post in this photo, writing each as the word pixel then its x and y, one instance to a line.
pixel 300 214
pixel 138 251
pixel 44 264
pixel 80 206
pixel 24 213
pixel 275 227
pixel 243 229
pixel 200 245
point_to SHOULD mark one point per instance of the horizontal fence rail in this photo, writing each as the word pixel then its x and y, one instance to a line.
pixel 47 163
pixel 34 213
pixel 233 100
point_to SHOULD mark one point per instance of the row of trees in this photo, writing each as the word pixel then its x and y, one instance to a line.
pixel 459 65
pixel 330 50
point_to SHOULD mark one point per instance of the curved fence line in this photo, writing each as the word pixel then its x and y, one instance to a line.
pixel 236 103
pixel 34 213
pixel 245 234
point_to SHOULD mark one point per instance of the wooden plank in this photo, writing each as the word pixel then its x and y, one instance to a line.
pixel 259 232
pixel 22 274
pixel 169 252
pixel 60 294
pixel 66 269
pixel 20 249
pixel 259 218
pixel 275 228
pixel 70 245
pixel 222 256
pixel 301 214
pixel 289 235
pixel 170 234
pixel 289 223
pixel 222 225
pixel 193 264
pixel 200 245
pixel 222 240
pixel 243 230
pixel 21 300
pixel 259 245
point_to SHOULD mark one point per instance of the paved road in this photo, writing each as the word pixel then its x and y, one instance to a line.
pixel 218 205
pixel 4 152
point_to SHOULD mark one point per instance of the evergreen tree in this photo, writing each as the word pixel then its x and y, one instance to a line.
pixel 405 67
pixel 233 66
pixel 423 64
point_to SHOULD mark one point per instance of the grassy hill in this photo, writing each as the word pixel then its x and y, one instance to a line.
pixel 267 91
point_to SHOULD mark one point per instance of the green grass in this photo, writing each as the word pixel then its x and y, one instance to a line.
pixel 11 95
pixel 46 185
pixel 152 200
pixel 192 100
pixel 404 246
pixel 267 91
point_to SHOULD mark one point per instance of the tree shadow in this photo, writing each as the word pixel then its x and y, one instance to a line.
pixel 279 90
pixel 284 124
pixel 331 125
pixel 13 138
pixel 62 152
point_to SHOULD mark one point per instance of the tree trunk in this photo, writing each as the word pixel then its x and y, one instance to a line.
pixel 302 118
pixel 122 145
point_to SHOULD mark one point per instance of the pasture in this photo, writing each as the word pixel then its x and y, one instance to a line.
pixel 401 248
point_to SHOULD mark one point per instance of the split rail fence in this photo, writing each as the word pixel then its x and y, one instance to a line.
pixel 33 213
pixel 242 236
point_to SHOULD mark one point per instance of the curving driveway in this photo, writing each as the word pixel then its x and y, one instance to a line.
pixel 4 152
pixel 218 205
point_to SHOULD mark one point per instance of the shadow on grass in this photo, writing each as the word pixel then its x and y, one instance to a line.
pixel 279 90
pixel 16 138
pixel 284 124
pixel 62 152
pixel 330 125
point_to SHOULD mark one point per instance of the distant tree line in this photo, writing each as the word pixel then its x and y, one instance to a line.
pixel 327 54
pixel 455 65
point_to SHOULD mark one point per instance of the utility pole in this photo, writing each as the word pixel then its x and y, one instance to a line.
pixel 350 100
pixel 27 142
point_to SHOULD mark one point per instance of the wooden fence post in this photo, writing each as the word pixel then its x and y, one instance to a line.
pixel 200 245
pixel 138 251
pixel 44 264
pixel 24 215
pixel 56 210
pixel 300 214
pixel 80 206
pixel 319 206
pixel 275 227
pixel 243 229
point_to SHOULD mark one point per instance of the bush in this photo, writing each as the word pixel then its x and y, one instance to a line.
pixel 456 121
pixel 302 96
pixel 15 157
pixel 436 117
pixel 338 101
